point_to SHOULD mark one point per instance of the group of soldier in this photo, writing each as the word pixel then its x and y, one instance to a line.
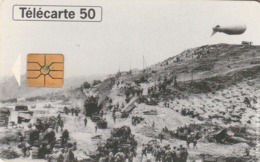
pixel 166 104
pixel 121 146
pixel 191 139
pixel 185 133
pixel 119 156
pixel 166 153
pixel 42 136
pixel 72 110
pixel 156 90
pixel 132 91
pixel 151 90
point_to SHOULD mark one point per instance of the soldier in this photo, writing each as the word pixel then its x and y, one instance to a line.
pixel 144 150
pixel 49 136
pixel 195 143
pixel 165 104
pixel 153 125
pixel 184 155
pixel 65 110
pixel 110 100
pixel 174 156
pixel 188 141
pixel 39 126
pixel 42 152
pixel 59 117
pixel 163 151
pixel 74 146
pixel 48 149
pixel 69 156
pixel 127 93
pixel 57 127
pixel 34 135
pixel 178 155
pixel 142 91
pixel 161 137
pixel 24 148
pixel 168 155
pixel 85 121
pixel 111 156
pixel 65 136
pixel 157 154
pixel 247 102
pixel 114 118
pixel 101 113
pixel 72 111
pixel 61 125
pixel 96 127
pixel 76 112
pixel 247 152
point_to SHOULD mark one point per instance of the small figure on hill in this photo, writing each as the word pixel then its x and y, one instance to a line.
pixel 101 113
pixel 76 112
pixel 85 121
pixel 96 127
pixel 161 137
pixel 61 125
pixel 59 117
pixel 114 118
pixel 72 111
pixel 247 152
pixel 177 59
pixel 247 102
pixel 195 143
pixel 144 150
pixel 153 125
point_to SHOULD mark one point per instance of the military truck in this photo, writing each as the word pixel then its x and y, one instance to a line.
pixel 21 108
pixel 96 117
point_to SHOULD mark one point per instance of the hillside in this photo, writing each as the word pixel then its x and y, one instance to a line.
pixel 212 82
pixel 212 67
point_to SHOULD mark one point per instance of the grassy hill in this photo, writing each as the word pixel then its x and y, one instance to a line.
pixel 208 68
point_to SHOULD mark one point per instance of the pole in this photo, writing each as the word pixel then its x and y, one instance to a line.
pixel 191 70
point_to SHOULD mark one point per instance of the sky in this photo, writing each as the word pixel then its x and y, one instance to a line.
pixel 129 30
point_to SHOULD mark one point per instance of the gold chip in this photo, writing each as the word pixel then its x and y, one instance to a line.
pixel 45 70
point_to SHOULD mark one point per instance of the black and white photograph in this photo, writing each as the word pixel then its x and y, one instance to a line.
pixel 129 81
